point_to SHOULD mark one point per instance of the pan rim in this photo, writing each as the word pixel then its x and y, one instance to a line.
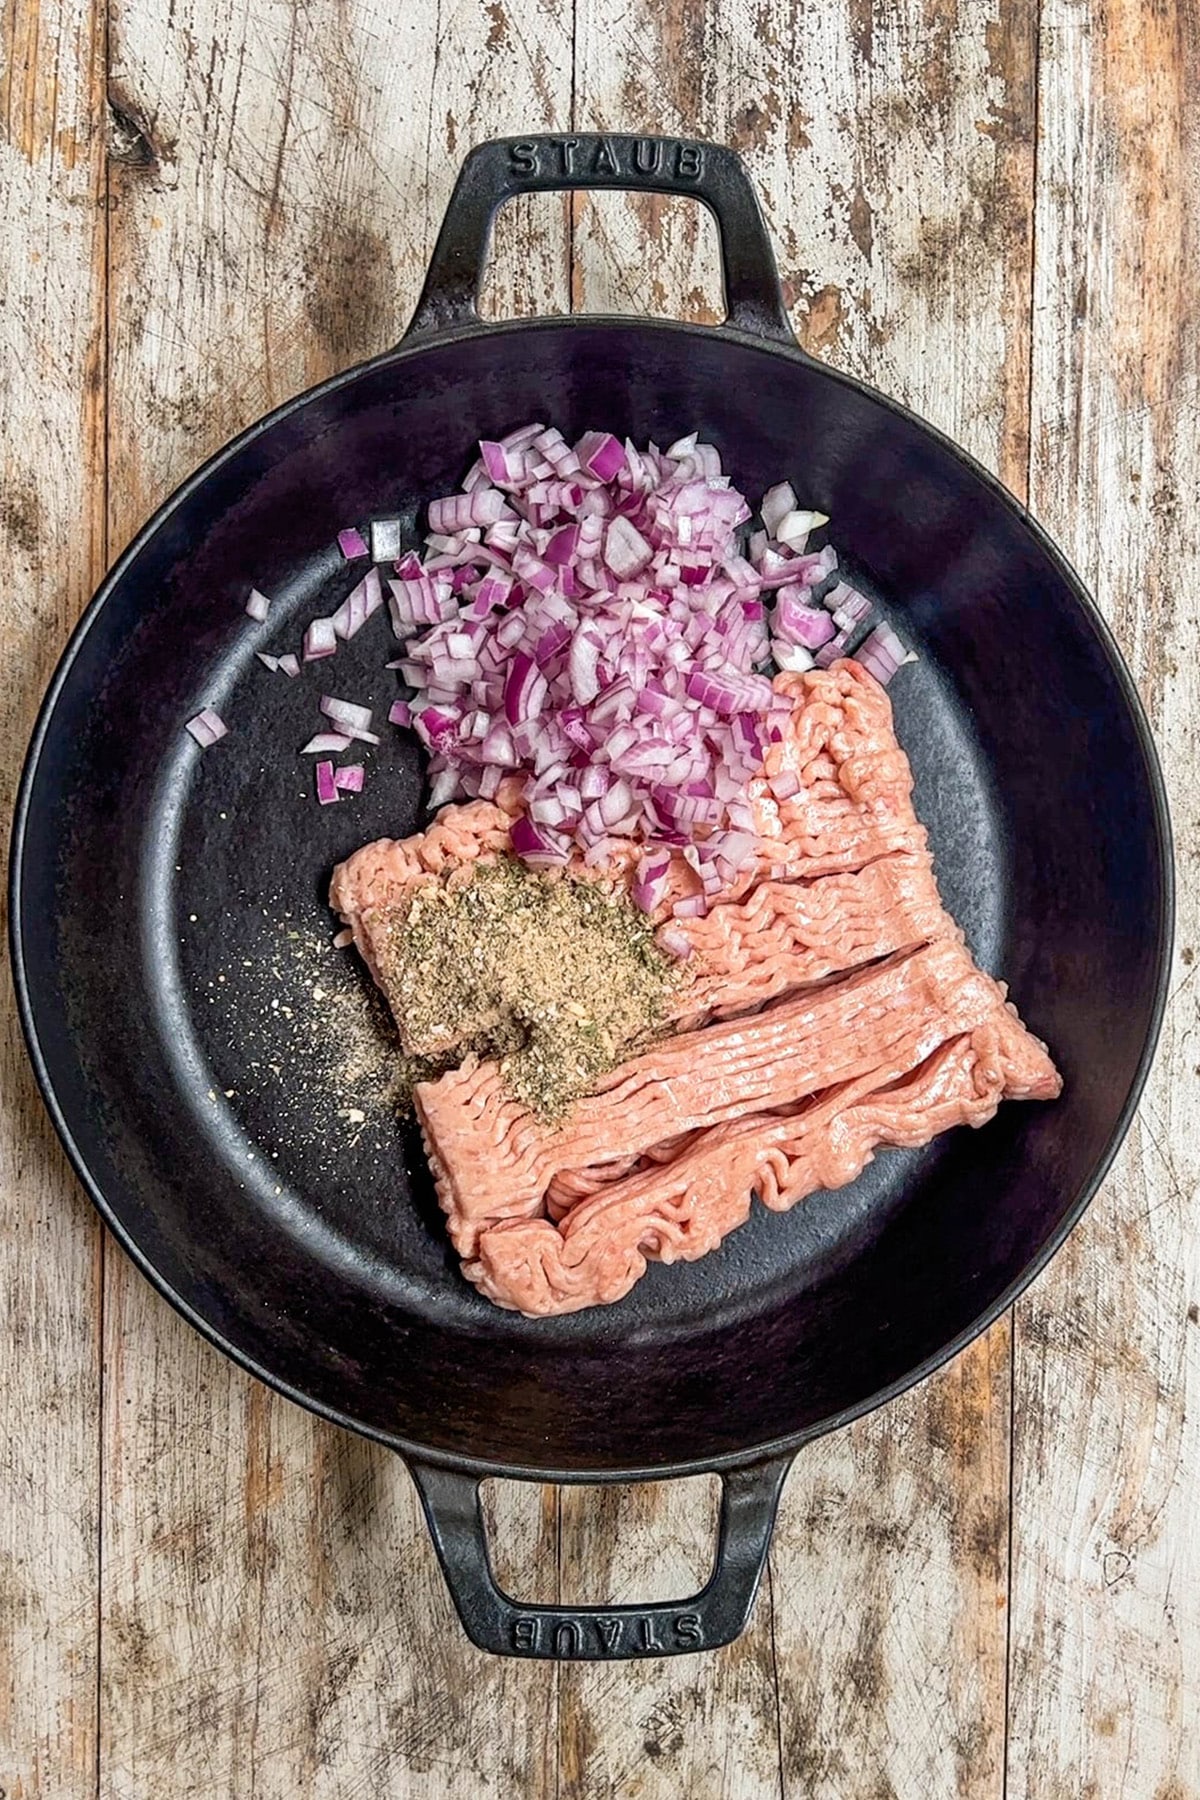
pixel 411 1450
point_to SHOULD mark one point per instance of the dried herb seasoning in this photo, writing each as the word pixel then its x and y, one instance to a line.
pixel 558 979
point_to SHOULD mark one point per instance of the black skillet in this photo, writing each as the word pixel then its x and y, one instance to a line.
pixel 150 884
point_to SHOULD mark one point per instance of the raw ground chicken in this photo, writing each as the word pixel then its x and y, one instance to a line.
pixel 829 1007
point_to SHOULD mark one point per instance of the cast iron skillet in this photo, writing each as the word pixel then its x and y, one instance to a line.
pixel 150 881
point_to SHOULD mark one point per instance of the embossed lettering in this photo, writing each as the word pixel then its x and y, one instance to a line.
pixel 647 1639
pixel 568 148
pixel 568 1638
pixel 525 1634
pixel 604 162
pixel 687 1628
pixel 610 1632
pixel 689 162
pixel 647 156
pixel 522 159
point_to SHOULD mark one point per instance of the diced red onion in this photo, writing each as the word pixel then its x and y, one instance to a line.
pixel 582 666
pixel 349 778
pixel 777 503
pixel 530 568
pixel 792 657
pixel 829 653
pixel 267 661
pixel 385 540
pixel 881 653
pixel 625 549
pixel 360 604
pixel 496 462
pixel 208 727
pixel 346 714
pixel 327 792
pixel 541 848
pixel 525 690
pixel 352 544
pixel 562 545
pixel 585 618
pixel 290 665
pixel 326 743
pixel 258 606
pixel 459 512
pixel 320 640
pixel 798 623
pixel 600 453
pixel 675 942
pixel 785 785
pixel 442 788
pixel 794 527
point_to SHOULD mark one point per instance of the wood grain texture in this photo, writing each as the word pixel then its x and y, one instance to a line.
pixel 704 1726
pixel 51 553
pixel 1106 1600
pixel 893 148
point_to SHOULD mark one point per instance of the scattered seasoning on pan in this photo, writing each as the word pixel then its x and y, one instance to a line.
pixel 304 1047
pixel 557 978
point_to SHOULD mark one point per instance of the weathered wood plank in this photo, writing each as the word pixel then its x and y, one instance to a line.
pixel 1106 1593
pixel 893 151
pixel 890 1581
pixel 52 225
pixel 274 1622
pixel 704 1726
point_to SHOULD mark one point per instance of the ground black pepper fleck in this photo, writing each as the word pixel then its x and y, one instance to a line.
pixel 557 978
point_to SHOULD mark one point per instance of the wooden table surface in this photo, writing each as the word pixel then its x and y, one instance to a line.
pixel 990 209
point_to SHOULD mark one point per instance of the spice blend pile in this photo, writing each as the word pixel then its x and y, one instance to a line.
pixel 556 978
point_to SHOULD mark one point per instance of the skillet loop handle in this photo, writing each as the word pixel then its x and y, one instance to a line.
pixel 495 1622
pixel 505 167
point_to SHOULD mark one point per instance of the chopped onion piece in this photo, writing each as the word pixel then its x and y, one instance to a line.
pixel 290 664
pixel 346 713
pixel 794 527
pixel 326 786
pixel 326 742
pixel 777 503
pixel 798 623
pixel 267 661
pixel 625 549
pixel 881 653
pixel 349 778
pixel 258 606
pixel 829 653
pixel 385 540
pixel 848 607
pixel 320 640
pixel 584 618
pixel 208 727
pixel 600 454
pixel 352 543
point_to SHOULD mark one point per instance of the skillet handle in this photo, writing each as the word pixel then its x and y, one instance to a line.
pixel 505 167
pixel 494 1621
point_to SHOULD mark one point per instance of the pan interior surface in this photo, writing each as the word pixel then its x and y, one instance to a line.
pixel 220 1072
